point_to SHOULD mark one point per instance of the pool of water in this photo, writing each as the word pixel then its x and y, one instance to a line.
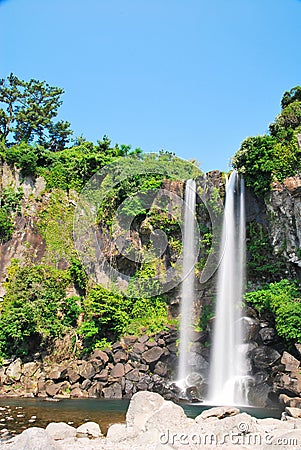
pixel 17 414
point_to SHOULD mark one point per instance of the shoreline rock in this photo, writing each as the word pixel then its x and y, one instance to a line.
pixel 153 423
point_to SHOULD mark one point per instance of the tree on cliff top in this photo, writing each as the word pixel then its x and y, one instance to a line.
pixel 27 110
pixel 274 156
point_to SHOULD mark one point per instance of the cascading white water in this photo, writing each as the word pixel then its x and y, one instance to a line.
pixel 188 275
pixel 227 376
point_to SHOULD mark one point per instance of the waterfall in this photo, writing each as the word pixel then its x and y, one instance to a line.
pixel 188 276
pixel 227 376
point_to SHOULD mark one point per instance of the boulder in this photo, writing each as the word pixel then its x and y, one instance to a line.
pixel 142 406
pixel 30 386
pixel 294 412
pixel 57 373
pixel 53 389
pixel 117 371
pixel 103 375
pixel 33 439
pixel 112 391
pixel 95 390
pixel 291 383
pixel 264 357
pixel 294 402
pixel 72 375
pixel 117 433
pixel 250 326
pixel 168 417
pixel 86 384
pixel 30 368
pixel 292 438
pixel 14 370
pixel 291 363
pixel 152 355
pixel 120 357
pixel 138 348
pixel 143 339
pixel 86 370
pixel 128 387
pixel 90 430
pixel 77 392
pixel 161 369
pixel 133 375
pixel 60 430
pixel 99 354
pixel 220 412
pixel 268 335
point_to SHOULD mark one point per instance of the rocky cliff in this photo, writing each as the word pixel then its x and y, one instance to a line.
pixel 43 233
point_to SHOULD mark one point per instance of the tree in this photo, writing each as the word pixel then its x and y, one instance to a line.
pixel 291 96
pixel 27 110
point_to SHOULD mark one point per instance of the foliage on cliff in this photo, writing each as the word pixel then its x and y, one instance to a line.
pixel 283 299
pixel 274 156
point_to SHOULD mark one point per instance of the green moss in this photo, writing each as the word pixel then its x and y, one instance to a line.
pixel 55 222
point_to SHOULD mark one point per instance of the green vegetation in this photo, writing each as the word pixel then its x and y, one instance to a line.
pixel 35 309
pixel 109 315
pixel 39 307
pixel 27 110
pixel 10 202
pixel 283 299
pixel 272 157
pixel 261 263
pixel 55 223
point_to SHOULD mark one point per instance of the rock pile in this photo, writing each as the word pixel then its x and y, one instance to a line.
pixel 131 365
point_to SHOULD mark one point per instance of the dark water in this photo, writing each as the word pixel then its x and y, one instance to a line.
pixel 17 414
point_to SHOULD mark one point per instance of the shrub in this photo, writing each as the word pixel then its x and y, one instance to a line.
pixel 283 300
pixel 35 309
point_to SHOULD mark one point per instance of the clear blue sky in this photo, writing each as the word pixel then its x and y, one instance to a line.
pixel 191 76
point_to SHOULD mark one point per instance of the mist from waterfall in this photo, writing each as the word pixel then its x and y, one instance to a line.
pixel 228 374
pixel 188 275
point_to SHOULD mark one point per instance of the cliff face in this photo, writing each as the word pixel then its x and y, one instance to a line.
pixel 284 212
pixel 42 223
pixel 274 228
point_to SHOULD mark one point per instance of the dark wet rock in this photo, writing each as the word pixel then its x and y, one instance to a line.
pixel 264 356
pixel 138 348
pixel 143 339
pixel 173 348
pixel 152 355
pixel 268 335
